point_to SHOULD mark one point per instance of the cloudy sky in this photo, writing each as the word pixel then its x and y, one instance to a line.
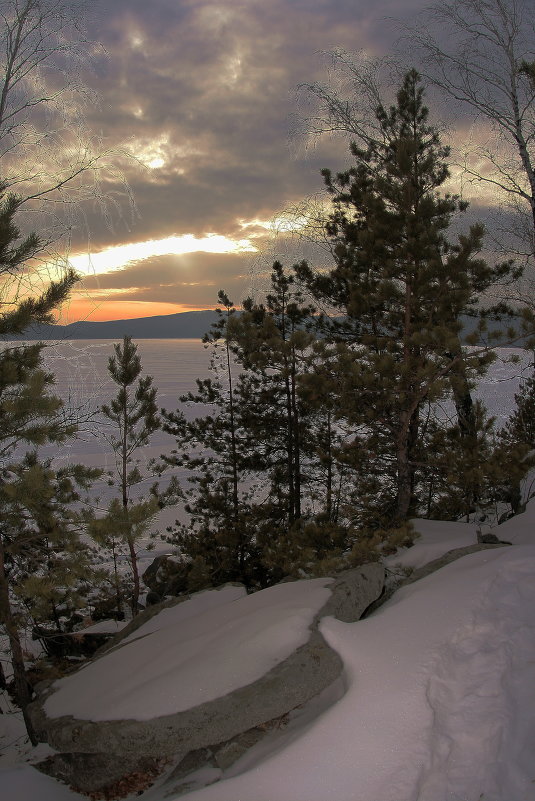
pixel 203 93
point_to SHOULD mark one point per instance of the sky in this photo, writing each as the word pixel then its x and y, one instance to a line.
pixel 203 96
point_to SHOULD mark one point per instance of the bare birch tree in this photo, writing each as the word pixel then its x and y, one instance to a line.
pixel 481 55
pixel 48 156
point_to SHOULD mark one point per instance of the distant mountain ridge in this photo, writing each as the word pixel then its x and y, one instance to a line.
pixel 184 325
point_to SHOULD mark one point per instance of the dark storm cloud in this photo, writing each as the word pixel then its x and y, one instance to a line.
pixel 209 88
pixel 215 84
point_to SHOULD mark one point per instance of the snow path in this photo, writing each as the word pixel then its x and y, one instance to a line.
pixel 480 693
pixel 439 702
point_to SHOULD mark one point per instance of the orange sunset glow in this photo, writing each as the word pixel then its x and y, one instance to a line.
pixel 94 310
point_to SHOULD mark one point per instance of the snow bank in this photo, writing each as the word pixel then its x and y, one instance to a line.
pixel 191 653
pixel 520 530
pixel 440 692
pixel 436 538
pixel 25 783
pixel 103 627
pixel 440 688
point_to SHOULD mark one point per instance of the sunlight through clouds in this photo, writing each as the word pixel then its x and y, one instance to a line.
pixel 277 225
pixel 115 258
pixel 151 153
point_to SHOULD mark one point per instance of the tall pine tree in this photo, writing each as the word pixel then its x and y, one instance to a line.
pixel 218 543
pixel 133 414
pixel 400 287
pixel 290 423
pixel 271 343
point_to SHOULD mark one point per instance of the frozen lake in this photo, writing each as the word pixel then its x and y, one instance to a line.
pixel 83 381
pixel 81 371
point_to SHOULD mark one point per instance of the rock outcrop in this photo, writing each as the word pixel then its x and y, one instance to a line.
pixel 274 659
pixel 165 576
pixel 431 567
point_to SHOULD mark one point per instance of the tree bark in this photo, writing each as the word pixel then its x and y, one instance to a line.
pixel 135 574
pixel 296 439
pixel 22 688
pixel 404 481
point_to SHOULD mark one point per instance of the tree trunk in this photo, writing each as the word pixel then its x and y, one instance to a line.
pixel 406 439
pixel 3 682
pixel 116 580
pixel 296 441
pixel 22 688
pixel 124 491
pixel 404 484
pixel 234 455
pixel 135 574
pixel 290 456
pixel 462 396
pixel 466 420
pixel 329 487
pixel 234 466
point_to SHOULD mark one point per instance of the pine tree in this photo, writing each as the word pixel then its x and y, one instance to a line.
pixel 291 424
pixel 29 415
pixel 134 416
pixel 517 438
pixel 49 566
pixel 324 434
pixel 461 474
pixel 272 344
pixel 520 427
pixel 257 488
pixel 216 450
pixel 400 287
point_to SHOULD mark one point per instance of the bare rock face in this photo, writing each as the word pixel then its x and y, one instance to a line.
pixel 353 591
pixel 223 664
pixel 165 576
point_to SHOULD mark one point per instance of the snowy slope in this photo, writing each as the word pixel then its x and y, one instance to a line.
pixel 24 783
pixel 439 698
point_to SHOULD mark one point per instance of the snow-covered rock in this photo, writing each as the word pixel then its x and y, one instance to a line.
pixel 519 530
pixel 435 701
pixel 438 703
pixel 198 673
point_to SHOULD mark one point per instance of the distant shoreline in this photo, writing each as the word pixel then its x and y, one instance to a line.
pixel 184 325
